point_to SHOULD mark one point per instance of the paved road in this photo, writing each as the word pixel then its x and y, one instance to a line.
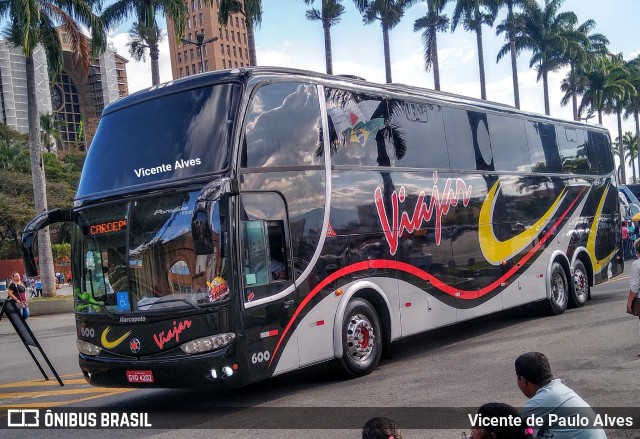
pixel 592 349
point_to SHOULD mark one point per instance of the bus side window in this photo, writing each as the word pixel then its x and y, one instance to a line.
pixel 255 254
pixel 264 244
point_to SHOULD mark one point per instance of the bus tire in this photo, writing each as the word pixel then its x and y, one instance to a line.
pixel 560 290
pixel 580 291
pixel 361 339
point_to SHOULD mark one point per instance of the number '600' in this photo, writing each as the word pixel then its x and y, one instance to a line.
pixel 260 357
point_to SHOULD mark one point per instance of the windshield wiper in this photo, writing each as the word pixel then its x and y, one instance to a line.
pixel 92 303
pixel 158 302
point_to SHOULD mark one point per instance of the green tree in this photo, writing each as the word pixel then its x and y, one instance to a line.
pixel 581 53
pixel 50 127
pixel 473 14
pixel 630 150
pixel 509 26
pixel 616 101
pixel 33 22
pixel 252 12
pixel 16 189
pixel 388 13
pixel 143 38
pixel 633 104
pixel 432 23
pixel 329 16
pixel 146 29
pixel 547 33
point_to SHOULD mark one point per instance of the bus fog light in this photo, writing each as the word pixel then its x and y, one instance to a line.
pixel 88 348
pixel 206 344
pixel 227 371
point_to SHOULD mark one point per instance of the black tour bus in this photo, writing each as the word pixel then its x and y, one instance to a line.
pixel 239 224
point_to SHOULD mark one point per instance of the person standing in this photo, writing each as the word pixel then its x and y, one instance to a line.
pixel 625 240
pixel 18 292
pixel 549 396
pixel 38 285
pixel 634 279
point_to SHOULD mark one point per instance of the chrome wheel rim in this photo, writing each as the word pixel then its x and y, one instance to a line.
pixel 581 285
pixel 559 288
pixel 360 337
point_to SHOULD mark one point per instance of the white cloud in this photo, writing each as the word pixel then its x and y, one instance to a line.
pixel 139 73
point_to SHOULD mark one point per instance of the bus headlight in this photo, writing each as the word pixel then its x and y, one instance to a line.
pixel 208 343
pixel 88 348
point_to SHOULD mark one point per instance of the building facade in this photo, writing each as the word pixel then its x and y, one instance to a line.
pixel 13 85
pixel 230 50
pixel 73 98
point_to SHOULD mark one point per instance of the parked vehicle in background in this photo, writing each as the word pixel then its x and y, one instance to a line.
pixel 634 189
pixel 631 203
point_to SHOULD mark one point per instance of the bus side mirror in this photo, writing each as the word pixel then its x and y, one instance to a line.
pixel 31 231
pixel 203 240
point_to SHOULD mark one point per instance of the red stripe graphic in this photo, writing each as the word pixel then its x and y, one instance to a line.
pixel 437 283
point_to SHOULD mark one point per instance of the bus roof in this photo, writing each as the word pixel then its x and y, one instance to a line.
pixel 247 73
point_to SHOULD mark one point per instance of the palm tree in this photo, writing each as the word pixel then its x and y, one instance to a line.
pixel 30 23
pixel 547 33
pixel 581 53
pixel 329 16
pixel 633 105
pixel 473 14
pixel 142 38
pixel 388 13
pixel 252 11
pixel 619 96
pixel 593 85
pixel 50 127
pixel 146 28
pixel 432 23
pixel 509 26
pixel 630 148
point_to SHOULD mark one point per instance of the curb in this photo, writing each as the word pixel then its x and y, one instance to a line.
pixel 56 305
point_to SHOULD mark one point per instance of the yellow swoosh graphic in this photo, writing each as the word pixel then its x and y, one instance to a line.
pixel 496 251
pixel 598 265
pixel 112 344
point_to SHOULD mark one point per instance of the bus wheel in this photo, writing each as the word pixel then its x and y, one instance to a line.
pixel 560 290
pixel 580 291
pixel 361 339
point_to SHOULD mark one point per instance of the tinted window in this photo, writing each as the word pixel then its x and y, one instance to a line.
pixel 509 143
pixel 175 136
pixel 573 153
pixel 468 139
pixel 420 129
pixel 543 147
pixel 358 125
pixel 282 127
pixel 599 152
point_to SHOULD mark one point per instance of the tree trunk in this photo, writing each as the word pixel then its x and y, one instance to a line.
pixel 387 55
pixel 623 174
pixel 434 58
pixel 514 65
pixel 483 85
pixel 545 88
pixel 636 117
pixel 45 259
pixel 599 116
pixel 251 40
pixel 326 26
pixel 154 54
pixel 574 93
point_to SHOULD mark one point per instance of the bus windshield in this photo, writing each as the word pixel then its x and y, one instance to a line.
pixel 171 137
pixel 141 256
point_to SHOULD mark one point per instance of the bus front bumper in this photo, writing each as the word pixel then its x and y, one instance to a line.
pixel 205 370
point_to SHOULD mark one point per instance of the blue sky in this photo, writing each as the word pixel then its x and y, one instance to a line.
pixel 287 38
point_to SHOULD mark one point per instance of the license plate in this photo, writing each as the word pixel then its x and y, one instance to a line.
pixel 140 376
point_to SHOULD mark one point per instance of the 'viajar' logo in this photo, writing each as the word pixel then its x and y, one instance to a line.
pixel 437 204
